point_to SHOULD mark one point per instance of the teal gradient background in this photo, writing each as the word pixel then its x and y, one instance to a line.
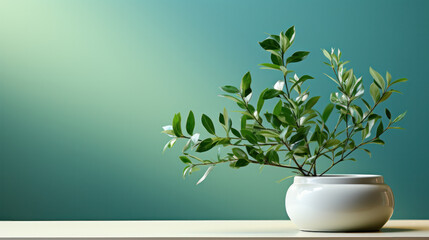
pixel 85 87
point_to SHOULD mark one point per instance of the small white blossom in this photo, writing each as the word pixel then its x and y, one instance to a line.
pixel 248 97
pixel 296 77
pixel 256 115
pixel 195 138
pixel 279 85
pixel 168 127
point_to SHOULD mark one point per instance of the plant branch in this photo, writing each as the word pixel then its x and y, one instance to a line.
pixel 356 147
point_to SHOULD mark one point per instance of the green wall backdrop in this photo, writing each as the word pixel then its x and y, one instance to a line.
pixel 85 87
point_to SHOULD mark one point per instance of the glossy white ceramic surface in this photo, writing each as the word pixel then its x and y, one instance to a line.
pixel 339 203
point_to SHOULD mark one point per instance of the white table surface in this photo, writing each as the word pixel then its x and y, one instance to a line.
pixel 278 229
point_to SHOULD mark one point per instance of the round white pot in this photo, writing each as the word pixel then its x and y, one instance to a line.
pixel 339 203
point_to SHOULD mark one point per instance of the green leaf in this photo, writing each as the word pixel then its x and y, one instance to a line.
pixel 177 129
pixel 230 89
pixel 372 119
pixel 276 60
pixel 226 120
pixel 208 124
pixel 301 80
pixel 231 98
pixel 388 114
pixel 275 37
pixel 378 141
pixel 245 84
pixel 278 108
pixel 327 112
pixel 316 135
pixel 261 100
pixel 356 113
pixel 190 123
pixel 170 144
pixel 395 91
pixel 365 132
pixel 375 92
pixel 269 66
pixel 271 93
pixel 244 121
pixel 205 145
pixel 236 132
pixel 240 154
pixel 367 151
pixel 289 117
pixel 300 135
pixel 380 129
pixel 399 81
pixel 366 104
pixel 373 116
pixel 327 55
pixel 284 42
pixel 239 163
pixel 388 78
pixel 297 57
pixel 185 160
pixel 378 78
pixel 400 117
pixel 290 34
pixel 273 156
pixel 332 142
pixel 270 44
pixel 311 102
pixel 221 119
pixel 300 150
pixel 249 136
pixel 386 96
pixel 268 133
pixel 350 159
pixel 255 153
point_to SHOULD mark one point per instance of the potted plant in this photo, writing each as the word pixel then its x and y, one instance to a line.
pixel 294 135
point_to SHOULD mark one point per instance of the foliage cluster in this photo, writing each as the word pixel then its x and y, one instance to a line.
pixel 293 135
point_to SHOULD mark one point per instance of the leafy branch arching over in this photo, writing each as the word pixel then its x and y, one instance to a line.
pixel 293 135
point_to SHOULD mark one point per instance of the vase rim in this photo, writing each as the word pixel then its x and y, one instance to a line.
pixel 341 179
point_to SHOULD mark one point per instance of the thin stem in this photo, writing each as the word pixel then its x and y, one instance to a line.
pixel 250 160
pixel 319 153
pixel 284 75
pixel 240 145
pixel 347 130
pixel 300 168
pixel 356 147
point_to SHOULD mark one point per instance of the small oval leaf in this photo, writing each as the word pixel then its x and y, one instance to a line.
pixel 208 124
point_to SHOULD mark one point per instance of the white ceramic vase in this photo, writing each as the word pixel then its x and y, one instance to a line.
pixel 338 203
